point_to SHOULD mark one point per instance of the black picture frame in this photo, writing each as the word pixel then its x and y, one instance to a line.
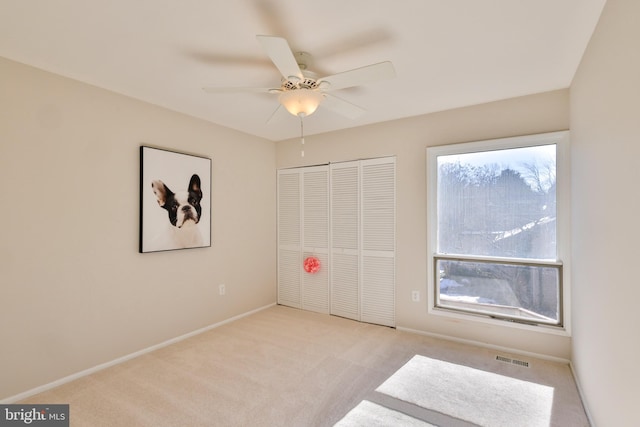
pixel 175 200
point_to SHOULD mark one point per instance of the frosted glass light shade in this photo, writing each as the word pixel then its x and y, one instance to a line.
pixel 300 102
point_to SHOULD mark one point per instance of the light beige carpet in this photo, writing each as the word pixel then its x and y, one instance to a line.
pixel 282 367
pixel 369 414
pixel 469 394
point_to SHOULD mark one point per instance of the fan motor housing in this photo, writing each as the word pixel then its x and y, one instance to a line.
pixel 310 78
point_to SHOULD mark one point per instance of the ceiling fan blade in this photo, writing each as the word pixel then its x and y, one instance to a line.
pixel 342 107
pixel 280 53
pixel 237 89
pixel 359 76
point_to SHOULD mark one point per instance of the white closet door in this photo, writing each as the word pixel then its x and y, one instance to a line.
pixel 345 237
pixel 363 215
pixel 344 215
pixel 378 198
pixel 289 223
pixel 315 286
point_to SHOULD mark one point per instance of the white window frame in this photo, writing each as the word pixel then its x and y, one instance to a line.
pixel 563 197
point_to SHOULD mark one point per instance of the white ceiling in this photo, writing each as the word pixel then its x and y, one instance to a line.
pixel 446 53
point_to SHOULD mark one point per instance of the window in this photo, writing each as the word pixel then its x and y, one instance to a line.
pixel 497 234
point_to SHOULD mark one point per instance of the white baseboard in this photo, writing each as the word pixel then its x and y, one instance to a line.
pixel 490 346
pixel 580 392
pixel 72 377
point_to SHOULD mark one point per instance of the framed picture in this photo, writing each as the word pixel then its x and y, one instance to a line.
pixel 175 200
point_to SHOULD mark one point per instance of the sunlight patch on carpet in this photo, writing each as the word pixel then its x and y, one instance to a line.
pixel 370 414
pixel 470 394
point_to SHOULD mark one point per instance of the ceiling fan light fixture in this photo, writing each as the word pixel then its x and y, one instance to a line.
pixel 301 102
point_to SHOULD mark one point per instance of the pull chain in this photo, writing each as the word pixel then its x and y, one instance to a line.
pixel 301 137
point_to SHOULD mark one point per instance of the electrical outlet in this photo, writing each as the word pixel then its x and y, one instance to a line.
pixel 223 289
pixel 415 296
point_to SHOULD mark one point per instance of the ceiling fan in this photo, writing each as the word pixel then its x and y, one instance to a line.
pixel 301 91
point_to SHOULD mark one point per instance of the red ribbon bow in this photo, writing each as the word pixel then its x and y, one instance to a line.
pixel 311 264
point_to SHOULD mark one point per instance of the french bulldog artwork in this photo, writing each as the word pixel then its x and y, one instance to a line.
pixel 175 201
pixel 183 211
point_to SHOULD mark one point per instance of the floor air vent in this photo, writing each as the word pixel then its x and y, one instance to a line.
pixel 512 361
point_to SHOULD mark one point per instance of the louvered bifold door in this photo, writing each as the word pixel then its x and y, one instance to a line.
pixel 289 238
pixel 378 216
pixel 315 237
pixel 345 255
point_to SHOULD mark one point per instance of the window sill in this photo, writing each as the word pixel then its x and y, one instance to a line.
pixel 480 318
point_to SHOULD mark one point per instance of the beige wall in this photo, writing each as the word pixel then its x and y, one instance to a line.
pixel 605 123
pixel 75 292
pixel 408 139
